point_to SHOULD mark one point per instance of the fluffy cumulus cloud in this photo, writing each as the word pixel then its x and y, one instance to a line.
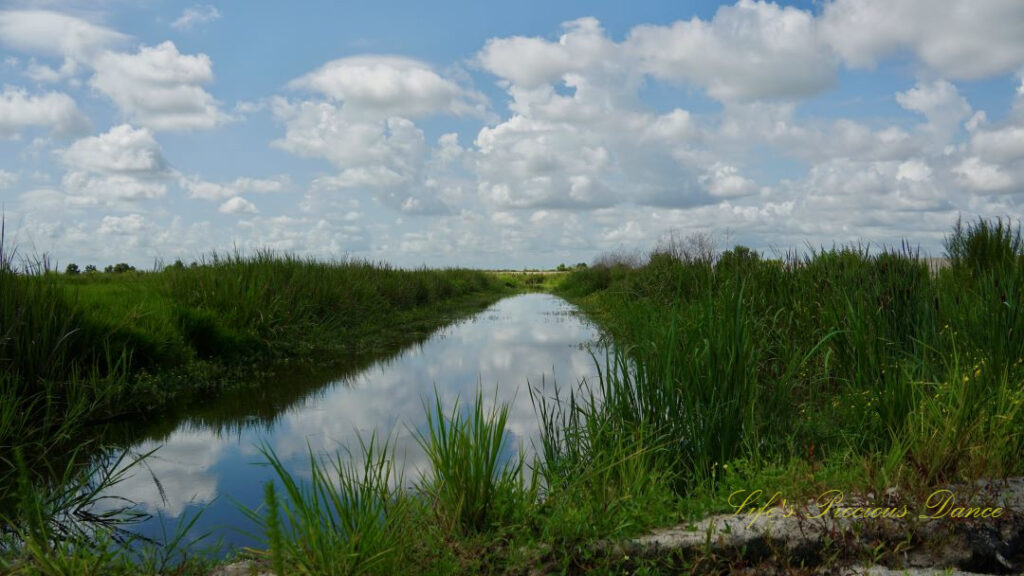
pixel 54 111
pixel 981 176
pixel 116 169
pixel 159 87
pixel 535 62
pixel 724 181
pixel 964 40
pixel 153 86
pixel 362 121
pixel 389 86
pixel 620 151
pixel 56 34
pixel 130 225
pixel 237 205
pixel 747 51
pixel 758 118
pixel 941 104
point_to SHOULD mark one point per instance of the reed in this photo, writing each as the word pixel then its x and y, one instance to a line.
pixel 350 517
pixel 743 359
pixel 476 483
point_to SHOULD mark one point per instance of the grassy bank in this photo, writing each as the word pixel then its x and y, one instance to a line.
pixel 134 332
pixel 843 370
pixel 76 350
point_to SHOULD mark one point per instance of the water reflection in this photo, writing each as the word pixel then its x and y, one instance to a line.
pixel 208 458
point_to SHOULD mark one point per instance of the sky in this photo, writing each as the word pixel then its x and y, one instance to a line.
pixel 506 135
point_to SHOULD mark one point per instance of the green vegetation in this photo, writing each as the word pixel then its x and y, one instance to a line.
pixel 845 370
pixel 531 280
pixel 348 519
pixel 79 349
pixel 128 342
pixel 743 365
pixel 468 480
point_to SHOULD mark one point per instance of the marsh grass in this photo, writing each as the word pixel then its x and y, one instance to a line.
pixel 474 480
pixel 599 479
pixel 842 354
pixel 78 350
pixel 846 369
pixel 69 524
pixel 348 518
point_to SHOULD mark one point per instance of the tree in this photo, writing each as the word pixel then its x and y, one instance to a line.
pixel 119 268
pixel 90 269
pixel 72 269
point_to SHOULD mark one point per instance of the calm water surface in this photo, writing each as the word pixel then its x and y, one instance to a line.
pixel 209 459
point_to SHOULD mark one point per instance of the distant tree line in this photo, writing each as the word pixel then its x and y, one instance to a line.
pixel 578 266
pixel 73 269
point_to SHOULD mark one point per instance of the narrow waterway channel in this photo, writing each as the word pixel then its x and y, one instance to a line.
pixel 209 460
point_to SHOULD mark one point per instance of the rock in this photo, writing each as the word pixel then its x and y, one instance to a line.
pixel 926 541
pixel 242 568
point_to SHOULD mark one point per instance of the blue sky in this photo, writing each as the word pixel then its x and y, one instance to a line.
pixel 502 135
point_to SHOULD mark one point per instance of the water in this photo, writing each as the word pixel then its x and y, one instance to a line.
pixel 209 460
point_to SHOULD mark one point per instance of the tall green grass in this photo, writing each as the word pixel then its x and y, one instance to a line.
pixel 79 350
pixel 349 518
pixel 70 525
pixel 74 348
pixel 845 351
pixel 474 479
pixel 284 304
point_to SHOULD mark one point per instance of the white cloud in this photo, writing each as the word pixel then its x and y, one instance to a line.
pixel 117 190
pixel 603 143
pixel 1003 144
pixel 388 156
pixel 982 176
pixel 323 130
pixel 160 88
pixel 813 140
pixel 237 205
pixel 594 147
pixel 534 62
pixel 964 39
pixel 747 51
pixel 941 104
pixel 196 16
pixel 121 149
pixel 46 75
pixel 520 164
pixel 56 34
pixel 915 170
pixel 123 165
pixel 204 190
pixel 41 199
pixel 129 225
pixel 724 181
pixel 157 86
pixel 381 86
pixel 55 111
